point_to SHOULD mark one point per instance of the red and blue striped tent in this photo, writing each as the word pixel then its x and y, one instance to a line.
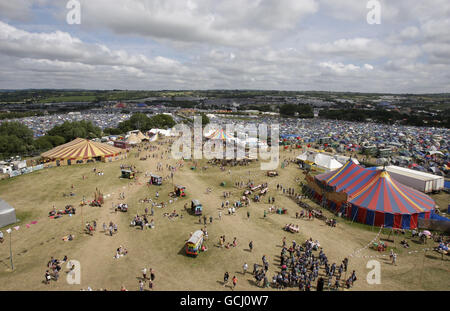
pixel 375 198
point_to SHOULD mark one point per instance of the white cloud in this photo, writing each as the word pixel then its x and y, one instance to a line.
pixel 198 44
pixel 341 68
pixel 229 23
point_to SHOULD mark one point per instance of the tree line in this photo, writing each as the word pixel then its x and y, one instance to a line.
pixel 387 117
pixel 17 139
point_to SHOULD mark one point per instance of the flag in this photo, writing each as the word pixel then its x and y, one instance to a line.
pixel 34 222
pixel 16 228
pixel 28 225
pixel 9 231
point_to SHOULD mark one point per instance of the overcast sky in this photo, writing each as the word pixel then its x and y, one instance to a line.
pixel 227 44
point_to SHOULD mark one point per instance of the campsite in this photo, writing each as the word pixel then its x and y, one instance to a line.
pixel 163 247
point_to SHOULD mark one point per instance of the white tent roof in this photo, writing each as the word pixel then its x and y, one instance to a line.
pixel 343 159
pixel 326 161
pixel 163 132
pixel 322 160
pixel 7 214
pixel 154 137
pixel 435 152
pixel 303 156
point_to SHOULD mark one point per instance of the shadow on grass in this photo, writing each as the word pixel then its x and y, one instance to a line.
pixel 252 283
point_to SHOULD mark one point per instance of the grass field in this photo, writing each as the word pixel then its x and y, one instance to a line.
pixel 161 248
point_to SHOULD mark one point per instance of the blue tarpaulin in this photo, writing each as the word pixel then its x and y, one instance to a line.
pixel 438 217
pixel 447 184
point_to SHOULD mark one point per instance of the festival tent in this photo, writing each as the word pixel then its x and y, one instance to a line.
pixel 343 159
pixel 163 132
pixel 303 157
pixel 7 214
pixel 141 136
pixel 326 162
pixel 372 197
pixel 82 149
pixel 323 161
pixel 133 139
pixel 220 134
pixel 154 137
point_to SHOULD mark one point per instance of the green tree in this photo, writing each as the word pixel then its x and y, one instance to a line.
pixel 15 139
pixel 288 110
pixel 76 129
pixel 48 142
pixel 205 119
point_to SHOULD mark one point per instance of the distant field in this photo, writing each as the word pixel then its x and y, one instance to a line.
pixel 80 98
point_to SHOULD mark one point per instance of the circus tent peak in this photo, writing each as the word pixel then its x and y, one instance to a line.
pixel 81 148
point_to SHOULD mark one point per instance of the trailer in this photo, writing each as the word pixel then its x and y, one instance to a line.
pixel 194 244
pixel 421 181
pixel 155 180
pixel 128 174
pixel 196 207
pixel 180 191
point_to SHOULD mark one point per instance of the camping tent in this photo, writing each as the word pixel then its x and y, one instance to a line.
pixel 372 197
pixel 7 214
pixel 82 149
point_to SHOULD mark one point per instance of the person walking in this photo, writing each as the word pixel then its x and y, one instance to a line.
pixel 320 283
pixel 141 286
pixel 234 282
pixel 144 273
pixel 250 245
pixel 394 258
pixel 225 278
pixel 248 215
pixel 47 277
pixel 152 274
pixel 245 268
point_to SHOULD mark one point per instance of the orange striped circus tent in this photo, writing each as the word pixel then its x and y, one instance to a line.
pixel 81 150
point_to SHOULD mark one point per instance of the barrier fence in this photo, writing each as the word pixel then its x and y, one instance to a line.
pixel 26 170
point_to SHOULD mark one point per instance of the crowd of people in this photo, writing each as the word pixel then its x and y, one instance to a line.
pixel 54 266
pixel 300 267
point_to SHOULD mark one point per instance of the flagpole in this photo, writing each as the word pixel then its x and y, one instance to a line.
pixel 10 250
